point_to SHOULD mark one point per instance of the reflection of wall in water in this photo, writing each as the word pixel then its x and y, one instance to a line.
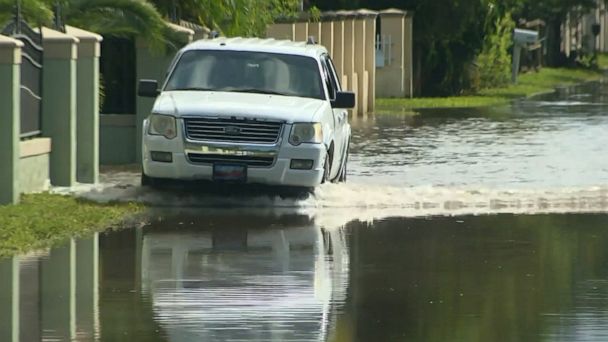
pixel 40 294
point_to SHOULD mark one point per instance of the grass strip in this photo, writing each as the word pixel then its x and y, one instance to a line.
pixel 529 84
pixel 43 220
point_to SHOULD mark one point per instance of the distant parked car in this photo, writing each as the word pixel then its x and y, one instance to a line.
pixel 248 110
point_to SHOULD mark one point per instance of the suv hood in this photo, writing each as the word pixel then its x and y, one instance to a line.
pixel 230 104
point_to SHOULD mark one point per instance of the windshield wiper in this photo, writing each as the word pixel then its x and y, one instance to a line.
pixel 259 91
pixel 230 89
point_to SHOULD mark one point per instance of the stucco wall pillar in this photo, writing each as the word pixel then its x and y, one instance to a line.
pixel 338 46
pixel 59 104
pixel 87 105
pixel 359 66
pixel 370 61
pixel 408 55
pixel 301 31
pixel 10 79
pixel 327 36
pixel 314 30
pixel 350 80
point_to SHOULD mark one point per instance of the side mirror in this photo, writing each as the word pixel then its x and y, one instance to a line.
pixel 344 99
pixel 148 88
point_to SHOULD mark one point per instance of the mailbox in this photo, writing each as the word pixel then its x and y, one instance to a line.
pixel 523 37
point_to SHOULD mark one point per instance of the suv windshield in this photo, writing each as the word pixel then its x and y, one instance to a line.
pixel 243 71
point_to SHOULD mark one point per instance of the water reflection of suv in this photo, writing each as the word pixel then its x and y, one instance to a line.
pixel 248 110
pixel 246 282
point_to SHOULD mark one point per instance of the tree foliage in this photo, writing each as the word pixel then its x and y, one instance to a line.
pixel 494 61
pixel 231 17
pixel 448 35
pixel 147 19
pixel 35 11
pixel 108 17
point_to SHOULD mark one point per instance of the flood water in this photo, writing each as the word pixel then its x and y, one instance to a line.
pixel 250 277
pixel 461 225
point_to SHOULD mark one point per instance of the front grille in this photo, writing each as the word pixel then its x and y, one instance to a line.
pixel 222 158
pixel 233 130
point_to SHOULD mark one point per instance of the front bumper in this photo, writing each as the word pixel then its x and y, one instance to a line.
pixel 279 173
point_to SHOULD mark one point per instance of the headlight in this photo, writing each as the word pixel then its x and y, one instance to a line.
pixel 162 125
pixel 306 133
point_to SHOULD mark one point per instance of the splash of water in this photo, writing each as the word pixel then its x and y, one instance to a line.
pixel 361 200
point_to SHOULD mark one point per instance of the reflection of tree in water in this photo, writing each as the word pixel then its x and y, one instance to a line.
pixel 471 278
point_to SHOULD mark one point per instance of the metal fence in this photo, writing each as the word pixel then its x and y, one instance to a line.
pixel 31 74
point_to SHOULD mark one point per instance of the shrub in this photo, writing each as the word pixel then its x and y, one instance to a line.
pixel 494 61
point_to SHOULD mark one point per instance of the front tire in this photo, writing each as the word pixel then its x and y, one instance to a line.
pixel 326 168
pixel 344 169
pixel 151 182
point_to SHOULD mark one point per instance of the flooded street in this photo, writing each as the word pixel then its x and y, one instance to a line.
pixel 555 141
pixel 459 225
pixel 248 277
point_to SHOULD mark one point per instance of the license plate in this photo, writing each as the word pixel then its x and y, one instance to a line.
pixel 229 173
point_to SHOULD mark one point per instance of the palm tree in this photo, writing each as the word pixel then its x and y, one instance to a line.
pixel 231 17
pixel 107 17
pixel 144 18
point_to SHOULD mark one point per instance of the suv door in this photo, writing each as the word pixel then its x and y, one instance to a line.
pixel 340 117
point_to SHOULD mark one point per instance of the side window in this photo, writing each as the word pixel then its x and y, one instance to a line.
pixel 328 79
pixel 334 74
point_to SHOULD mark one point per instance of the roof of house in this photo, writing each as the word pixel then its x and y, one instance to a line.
pixel 269 45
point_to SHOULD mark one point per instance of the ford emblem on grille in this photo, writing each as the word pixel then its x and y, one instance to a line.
pixel 232 130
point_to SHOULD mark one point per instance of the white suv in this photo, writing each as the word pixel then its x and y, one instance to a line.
pixel 248 110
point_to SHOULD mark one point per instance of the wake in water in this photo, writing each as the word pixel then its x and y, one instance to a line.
pixel 358 199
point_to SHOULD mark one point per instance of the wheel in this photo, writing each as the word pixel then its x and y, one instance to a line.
pixel 145 180
pixel 344 170
pixel 326 168
pixel 151 182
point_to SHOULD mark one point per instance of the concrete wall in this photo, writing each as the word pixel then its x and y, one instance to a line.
pixel 34 171
pixel 577 33
pixel 597 16
pixel 394 77
pixel 51 297
pixel 70 86
pixel 117 139
pixel 601 17
pixel 282 31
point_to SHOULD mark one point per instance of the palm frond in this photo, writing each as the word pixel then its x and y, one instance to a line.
pixel 35 12
pixel 121 18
